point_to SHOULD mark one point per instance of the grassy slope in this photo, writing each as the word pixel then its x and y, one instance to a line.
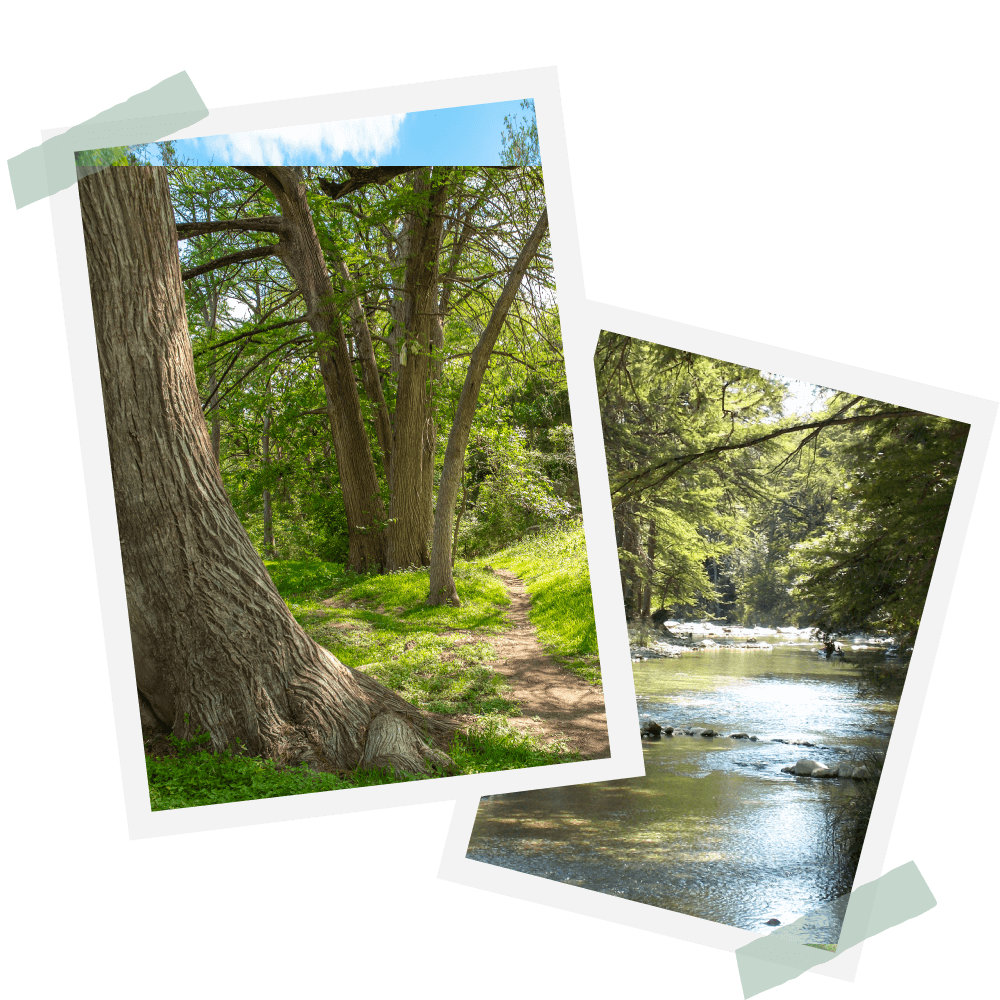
pixel 557 576
pixel 436 658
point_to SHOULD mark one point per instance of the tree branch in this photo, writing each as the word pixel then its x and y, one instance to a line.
pixel 630 487
pixel 358 177
pixel 255 253
pixel 218 399
pixel 264 224
pixel 249 333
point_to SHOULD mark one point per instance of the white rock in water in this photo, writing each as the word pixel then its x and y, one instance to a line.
pixel 846 769
pixel 824 772
pixel 696 731
pixel 861 773
pixel 804 768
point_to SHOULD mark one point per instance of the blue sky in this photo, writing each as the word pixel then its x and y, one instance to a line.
pixel 459 136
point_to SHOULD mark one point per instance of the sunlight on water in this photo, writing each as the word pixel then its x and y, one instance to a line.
pixel 714 830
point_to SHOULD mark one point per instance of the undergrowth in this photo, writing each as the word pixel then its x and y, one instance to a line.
pixel 193 775
pixel 437 658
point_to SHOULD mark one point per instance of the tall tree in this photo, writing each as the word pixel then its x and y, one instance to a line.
pixel 299 250
pixel 832 519
pixel 659 404
pixel 215 647
pixel 870 565
pixel 442 583
pixel 413 435
pixel 415 265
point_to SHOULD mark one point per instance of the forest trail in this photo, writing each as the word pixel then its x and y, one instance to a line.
pixel 555 703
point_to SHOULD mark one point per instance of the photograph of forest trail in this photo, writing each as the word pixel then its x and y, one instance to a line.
pixel 344 471
pixel 776 542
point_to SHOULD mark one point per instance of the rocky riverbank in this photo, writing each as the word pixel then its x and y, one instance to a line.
pixel 669 639
pixel 802 768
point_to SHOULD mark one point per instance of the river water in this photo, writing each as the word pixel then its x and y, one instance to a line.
pixel 715 829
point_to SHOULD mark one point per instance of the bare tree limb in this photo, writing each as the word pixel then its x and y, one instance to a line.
pixel 264 224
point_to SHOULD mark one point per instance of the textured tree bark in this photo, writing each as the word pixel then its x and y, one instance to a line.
pixel 299 250
pixel 369 366
pixel 265 446
pixel 413 442
pixel 442 582
pixel 215 647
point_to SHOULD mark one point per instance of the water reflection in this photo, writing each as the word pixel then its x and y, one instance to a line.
pixel 714 830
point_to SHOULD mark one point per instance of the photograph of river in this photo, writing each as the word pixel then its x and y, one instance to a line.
pixel 715 829
pixel 776 542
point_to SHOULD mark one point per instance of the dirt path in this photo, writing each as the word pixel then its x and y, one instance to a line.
pixel 554 702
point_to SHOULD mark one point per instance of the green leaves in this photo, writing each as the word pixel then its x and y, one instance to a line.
pixel 664 411
pixel 871 567
pixel 519 139
pixel 89 161
pixel 254 350
pixel 832 520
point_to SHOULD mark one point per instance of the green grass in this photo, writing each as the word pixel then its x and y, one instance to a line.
pixel 845 818
pixel 437 658
pixel 194 776
pixel 555 571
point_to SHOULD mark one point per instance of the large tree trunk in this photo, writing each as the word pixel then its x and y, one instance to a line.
pixel 369 365
pixel 442 582
pixel 435 371
pixel 265 444
pixel 215 647
pixel 412 464
pixel 300 252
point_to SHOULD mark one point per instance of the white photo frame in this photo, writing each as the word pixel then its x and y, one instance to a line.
pixel 626 757
pixel 979 413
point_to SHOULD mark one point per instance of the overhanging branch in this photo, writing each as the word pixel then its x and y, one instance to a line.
pixel 628 488
pixel 250 333
pixel 255 253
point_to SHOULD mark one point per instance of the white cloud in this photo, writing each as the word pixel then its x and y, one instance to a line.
pixel 366 140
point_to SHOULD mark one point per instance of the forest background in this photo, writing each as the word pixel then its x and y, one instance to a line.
pixel 731 505
pixel 396 289
pixel 443 303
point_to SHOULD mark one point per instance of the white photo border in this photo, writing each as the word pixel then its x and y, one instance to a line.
pixel 979 413
pixel 626 754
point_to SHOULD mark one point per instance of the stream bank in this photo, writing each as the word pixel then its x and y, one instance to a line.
pixel 715 829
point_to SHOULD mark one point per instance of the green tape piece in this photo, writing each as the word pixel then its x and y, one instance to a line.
pixel 896 897
pixel 171 105
pixel 902 895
